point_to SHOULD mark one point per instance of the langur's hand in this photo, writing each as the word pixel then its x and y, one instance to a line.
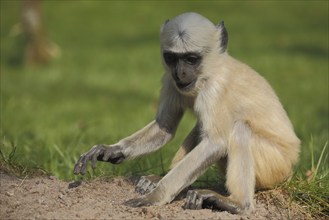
pixel 112 154
pixel 139 202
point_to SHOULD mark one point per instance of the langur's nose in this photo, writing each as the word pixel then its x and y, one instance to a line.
pixel 181 76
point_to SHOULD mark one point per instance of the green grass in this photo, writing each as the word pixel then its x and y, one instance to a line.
pixel 106 83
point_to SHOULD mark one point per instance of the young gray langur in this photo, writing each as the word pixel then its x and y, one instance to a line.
pixel 241 125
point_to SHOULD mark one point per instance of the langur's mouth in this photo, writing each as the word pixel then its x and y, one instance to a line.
pixel 185 86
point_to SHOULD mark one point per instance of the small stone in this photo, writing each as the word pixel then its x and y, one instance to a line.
pixel 62 191
pixel 10 193
pixel 52 177
pixel 144 210
pixel 9 210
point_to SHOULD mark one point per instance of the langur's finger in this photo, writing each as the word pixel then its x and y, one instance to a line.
pixel 198 203
pixel 193 199
pixel 145 186
pixel 84 165
pixel 94 158
pixel 140 184
pixel 189 201
pixel 107 154
pixel 78 165
pixel 76 169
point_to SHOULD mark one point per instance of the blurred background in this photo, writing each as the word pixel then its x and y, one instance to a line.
pixel 79 73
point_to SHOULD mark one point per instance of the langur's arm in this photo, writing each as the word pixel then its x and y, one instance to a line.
pixel 147 183
pixel 182 175
pixel 148 139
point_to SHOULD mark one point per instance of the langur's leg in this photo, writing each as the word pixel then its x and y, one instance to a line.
pixel 240 177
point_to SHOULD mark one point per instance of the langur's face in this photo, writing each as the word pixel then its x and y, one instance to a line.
pixel 184 68
pixel 185 41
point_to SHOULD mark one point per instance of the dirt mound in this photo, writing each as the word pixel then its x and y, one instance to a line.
pixel 50 198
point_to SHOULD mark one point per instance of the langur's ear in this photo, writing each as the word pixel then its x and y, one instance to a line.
pixel 164 24
pixel 223 36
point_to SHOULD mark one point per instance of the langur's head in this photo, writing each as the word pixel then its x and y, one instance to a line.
pixel 186 41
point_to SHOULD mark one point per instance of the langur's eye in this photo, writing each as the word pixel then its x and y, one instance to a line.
pixel 192 60
pixel 169 58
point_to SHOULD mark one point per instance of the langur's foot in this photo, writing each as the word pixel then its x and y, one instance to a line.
pixel 200 199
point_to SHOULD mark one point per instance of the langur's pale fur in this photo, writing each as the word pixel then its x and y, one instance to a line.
pixel 240 111
pixel 241 124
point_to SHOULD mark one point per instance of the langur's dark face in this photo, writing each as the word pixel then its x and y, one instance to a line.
pixel 184 68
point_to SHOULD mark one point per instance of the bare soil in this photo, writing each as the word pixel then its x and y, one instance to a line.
pixel 46 197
